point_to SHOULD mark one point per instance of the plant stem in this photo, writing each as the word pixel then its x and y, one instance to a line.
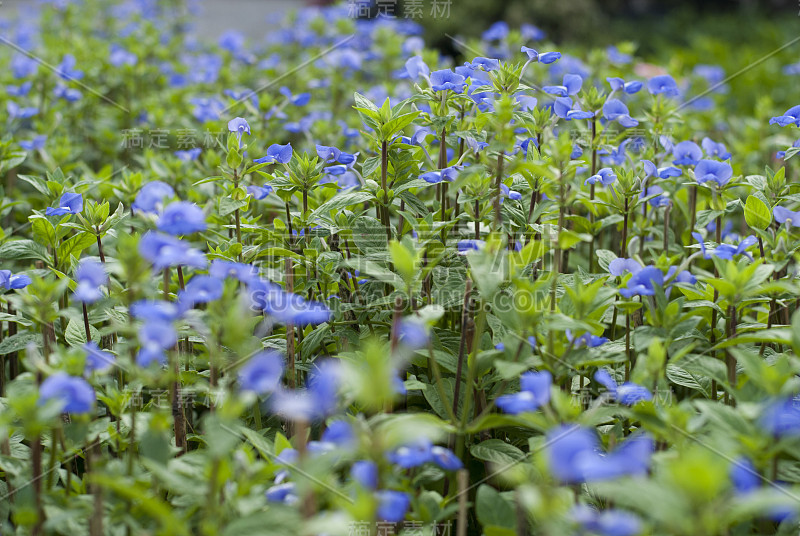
pixel 86 323
pixel 498 218
pixel 462 344
pixel 100 250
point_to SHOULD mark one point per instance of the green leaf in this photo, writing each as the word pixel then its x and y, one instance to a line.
pixel 340 202
pixel 497 451
pixel 18 342
pixel 75 334
pixel 74 245
pixel 228 205
pixel 757 213
pixel 23 249
pixel 492 509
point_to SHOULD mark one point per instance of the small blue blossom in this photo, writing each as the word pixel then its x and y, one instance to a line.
pixel 150 198
pixel 713 171
pixel 686 153
pixel 262 373
pixel 571 85
pixel 97 360
pixel 628 393
pixel 715 150
pixel 534 393
pixel 791 117
pixel 182 218
pixel 90 276
pixel 392 505
pixel 615 110
pixel 643 282
pixel 13 282
pixel 447 80
pixel 69 203
pixel 604 177
pixel 279 154
pixel 74 395
pixel 164 250
pixel 663 84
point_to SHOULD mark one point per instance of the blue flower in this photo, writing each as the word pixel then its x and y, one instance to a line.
pixel 628 393
pixel 262 373
pixel 13 282
pixel 280 154
pixel 634 86
pixel 412 334
pixel 746 479
pixel 605 177
pixel 259 192
pixel 571 85
pixel 447 80
pixel 496 32
pixel 587 339
pixel 201 289
pixel 66 69
pixel 90 276
pixel 300 99
pixel 97 360
pixel 239 125
pixel 445 458
pixel 189 154
pixel 564 109
pixel 780 155
pixel 791 117
pixel 289 308
pixel 663 84
pixel 35 144
pixel 643 282
pixel 182 218
pixel 608 522
pixel 154 338
pixel 663 173
pixel 150 197
pixel 69 94
pixel 19 91
pixel 486 64
pixel 282 493
pixel 237 270
pixel 365 472
pixel 68 204
pixel 544 57
pixel 530 32
pixel 119 56
pixel 318 400
pixel 392 505
pixel 534 393
pixel 163 251
pixel 206 110
pixel 615 110
pixel 686 153
pixel 726 251
pixel 619 266
pixel 784 215
pixel 713 170
pixel 781 417
pixel 74 395
pixel 575 456
pixel 470 244
pixel 155 310
pixel 714 149
pixel 23 67
pixel 657 200
pixel 616 157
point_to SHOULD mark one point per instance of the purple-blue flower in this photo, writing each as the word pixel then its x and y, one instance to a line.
pixel 97 360
pixel 791 117
pixel 155 337
pixel 279 154
pixel 571 85
pixel 634 86
pixel 201 289
pixel 239 126
pixel 150 198
pixel 608 522
pixel 34 144
pixel 392 505
pixel 643 282
pixel 615 110
pixel 189 154
pixel 564 108
pixel 628 393
pixel 784 215
pixel 686 153
pixel 534 393
pixel 74 395
pixel 262 373
pixel 663 84
pixel 182 218
pixel 11 282
pixel 714 149
pixel 90 276
pixel 619 266
pixel 446 79
pixel 544 57
pixel 68 204
pixel 714 171
pixel 163 250
pixel 575 456
pixel 604 177
pixel 365 472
